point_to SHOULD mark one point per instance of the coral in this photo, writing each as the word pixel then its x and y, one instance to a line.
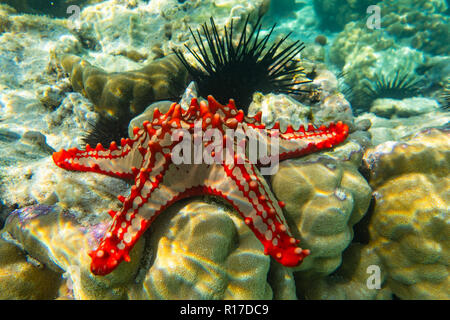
pixel 23 278
pixel 393 108
pixel 281 108
pixel 409 31
pixel 199 250
pixel 5 22
pixel 60 239
pixel 409 227
pixel 203 251
pixel 350 281
pixel 424 23
pixel 226 70
pixel 321 39
pixel 396 119
pixel 335 14
pixel 121 94
pixel 328 106
pixel 118 97
pixel 52 8
pixel 115 25
pixel 324 196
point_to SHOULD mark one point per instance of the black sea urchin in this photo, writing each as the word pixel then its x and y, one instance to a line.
pixel 106 130
pixel 227 70
pixel 402 85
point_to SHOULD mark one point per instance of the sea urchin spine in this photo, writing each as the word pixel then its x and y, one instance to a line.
pixel 227 70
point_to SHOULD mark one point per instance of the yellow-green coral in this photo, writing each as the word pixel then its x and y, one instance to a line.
pixel 203 251
pixel 324 198
pixel 22 280
pixel 352 280
pixel 126 93
pixel 62 241
pixel 410 225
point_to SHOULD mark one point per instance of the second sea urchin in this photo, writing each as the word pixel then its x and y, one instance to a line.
pixel 227 70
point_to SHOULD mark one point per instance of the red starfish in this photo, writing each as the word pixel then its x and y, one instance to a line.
pixel 159 182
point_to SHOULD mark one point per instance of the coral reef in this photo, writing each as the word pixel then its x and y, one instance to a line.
pixel 335 14
pixel 411 30
pixel 424 23
pixel 409 227
pixel 377 202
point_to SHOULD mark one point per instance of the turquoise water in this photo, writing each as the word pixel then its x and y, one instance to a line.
pixel 372 209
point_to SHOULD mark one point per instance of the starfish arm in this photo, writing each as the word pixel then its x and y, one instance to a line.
pixel 119 162
pixel 247 191
pixel 294 143
pixel 149 196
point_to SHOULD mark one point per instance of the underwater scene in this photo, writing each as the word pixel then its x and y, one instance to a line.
pixel 224 150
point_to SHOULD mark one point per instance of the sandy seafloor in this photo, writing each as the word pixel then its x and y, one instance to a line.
pixel 374 211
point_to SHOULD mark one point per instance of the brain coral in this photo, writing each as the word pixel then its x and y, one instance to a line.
pixel 197 250
pixel 410 225
pixel 203 251
pixel 324 198
pixel 122 93
pixel 20 279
